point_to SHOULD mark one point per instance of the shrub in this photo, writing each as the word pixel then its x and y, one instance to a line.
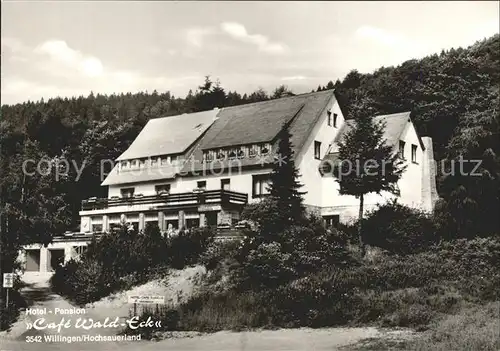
pixel 398 229
pixel 84 281
pixel 267 265
pixel 187 247
pixel 124 258
pixel 219 253
pixel 10 312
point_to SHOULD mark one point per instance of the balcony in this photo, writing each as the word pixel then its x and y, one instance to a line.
pixel 180 200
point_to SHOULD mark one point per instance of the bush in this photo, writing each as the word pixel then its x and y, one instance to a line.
pixel 124 258
pixel 187 248
pixel 219 253
pixel 84 281
pixel 398 229
pixel 10 313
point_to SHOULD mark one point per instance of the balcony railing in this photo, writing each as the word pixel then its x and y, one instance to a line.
pixel 182 199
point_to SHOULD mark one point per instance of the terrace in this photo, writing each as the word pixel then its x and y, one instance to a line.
pixel 170 201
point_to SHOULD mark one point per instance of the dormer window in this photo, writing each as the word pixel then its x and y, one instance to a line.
pixel 264 150
pixel 240 153
pixel 232 155
pixel 221 155
pixel 253 151
pixel 209 156
pixel 153 162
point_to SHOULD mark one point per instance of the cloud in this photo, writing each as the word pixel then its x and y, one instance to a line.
pixel 239 32
pixel 53 68
pixel 61 54
pixel 294 78
pixel 196 35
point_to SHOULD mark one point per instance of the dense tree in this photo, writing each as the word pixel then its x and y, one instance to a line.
pixel 472 175
pixel 281 91
pixel 366 164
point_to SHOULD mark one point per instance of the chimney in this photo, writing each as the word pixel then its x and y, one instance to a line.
pixel 429 191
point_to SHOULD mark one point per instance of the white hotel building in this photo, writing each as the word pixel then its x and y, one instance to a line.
pixel 201 168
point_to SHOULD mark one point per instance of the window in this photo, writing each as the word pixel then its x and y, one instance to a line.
pixel 225 184
pixel 164 161
pixel 253 151
pixel 97 228
pixel 202 184
pixel 329 113
pixel 153 162
pixel 335 120
pixel 80 250
pixel 209 155
pixel 260 185
pixel 264 149
pixel 332 221
pixel 221 155
pixel 127 192
pixel 402 149
pixel 414 153
pixel 162 189
pixel 317 150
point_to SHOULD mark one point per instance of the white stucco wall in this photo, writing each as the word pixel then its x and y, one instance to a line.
pixel 410 185
pixel 307 164
pixel 240 181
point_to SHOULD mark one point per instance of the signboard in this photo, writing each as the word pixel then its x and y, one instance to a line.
pixel 146 299
pixel 8 280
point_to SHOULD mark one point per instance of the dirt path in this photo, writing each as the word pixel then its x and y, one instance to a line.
pixel 38 295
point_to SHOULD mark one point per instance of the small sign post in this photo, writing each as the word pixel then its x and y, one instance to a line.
pixel 8 282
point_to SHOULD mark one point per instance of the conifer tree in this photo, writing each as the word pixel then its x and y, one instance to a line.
pixel 284 186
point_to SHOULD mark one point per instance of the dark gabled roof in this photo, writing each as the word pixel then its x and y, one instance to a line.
pixel 237 125
pixel 260 122
pixel 190 134
pixel 169 135
pixel 395 125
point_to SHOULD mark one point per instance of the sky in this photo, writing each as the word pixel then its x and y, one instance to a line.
pixel 66 49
